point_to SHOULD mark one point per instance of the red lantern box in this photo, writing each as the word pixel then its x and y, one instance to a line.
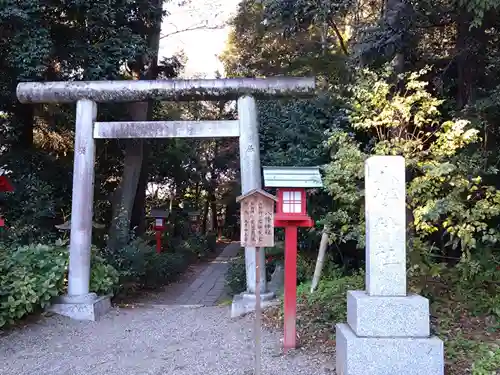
pixel 291 208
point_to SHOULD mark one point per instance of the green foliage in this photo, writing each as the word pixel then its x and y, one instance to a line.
pixel 344 181
pixel 141 267
pixel 476 281
pixel 293 132
pixel 257 46
pixel 198 244
pixel 236 280
pixel 305 268
pixel 329 302
pixel 41 198
pixel 104 278
pixel 452 209
pixel 488 362
pixel 31 275
pixel 479 9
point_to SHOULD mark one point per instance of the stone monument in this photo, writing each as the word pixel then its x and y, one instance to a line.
pixel 387 330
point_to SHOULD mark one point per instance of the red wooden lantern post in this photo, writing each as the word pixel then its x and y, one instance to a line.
pixel 5 187
pixel 291 213
pixel 160 225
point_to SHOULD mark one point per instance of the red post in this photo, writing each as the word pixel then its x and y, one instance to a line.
pixel 289 341
pixel 158 241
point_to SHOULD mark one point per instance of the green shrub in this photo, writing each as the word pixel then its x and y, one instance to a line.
pixel 141 267
pixel 211 241
pixel 163 268
pixel 43 192
pixel 104 278
pixel 305 268
pixel 477 281
pixel 236 277
pixel 198 244
pixel 31 275
pixel 488 362
pixel 328 304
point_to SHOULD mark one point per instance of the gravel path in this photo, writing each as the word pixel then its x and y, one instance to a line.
pixel 149 340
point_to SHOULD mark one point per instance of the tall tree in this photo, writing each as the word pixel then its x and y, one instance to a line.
pixel 144 66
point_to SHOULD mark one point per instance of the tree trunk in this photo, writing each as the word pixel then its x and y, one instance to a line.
pixel 138 219
pixel 213 208
pixel 230 220
pixel 320 261
pixel 134 153
pixel 471 49
pixel 197 196
pixel 213 186
pixel 122 211
pixel 25 116
pixel 205 215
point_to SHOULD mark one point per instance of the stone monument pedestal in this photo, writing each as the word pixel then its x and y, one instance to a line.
pixel 387 336
pixel 88 307
pixel 387 355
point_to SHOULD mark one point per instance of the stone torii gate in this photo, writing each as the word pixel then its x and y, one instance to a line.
pixel 79 303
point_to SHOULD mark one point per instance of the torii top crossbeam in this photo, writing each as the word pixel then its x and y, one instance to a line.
pixel 165 90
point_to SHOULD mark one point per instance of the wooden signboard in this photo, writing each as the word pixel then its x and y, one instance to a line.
pixel 257 219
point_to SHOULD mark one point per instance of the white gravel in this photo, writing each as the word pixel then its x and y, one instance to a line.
pixel 150 340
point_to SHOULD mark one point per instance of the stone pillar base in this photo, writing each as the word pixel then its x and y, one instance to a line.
pixel 383 316
pixel 245 302
pixel 387 355
pixel 87 307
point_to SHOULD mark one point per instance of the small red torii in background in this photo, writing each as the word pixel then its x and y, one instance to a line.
pixel 291 213
pixel 5 187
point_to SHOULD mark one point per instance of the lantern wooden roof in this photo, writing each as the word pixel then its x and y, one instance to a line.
pixel 292 177
pixel 256 192
pixel 160 212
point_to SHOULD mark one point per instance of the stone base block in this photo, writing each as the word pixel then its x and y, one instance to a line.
pixel 245 302
pixel 387 356
pixel 381 316
pixel 88 307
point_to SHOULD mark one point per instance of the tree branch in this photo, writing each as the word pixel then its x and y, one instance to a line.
pixel 339 37
pixel 193 28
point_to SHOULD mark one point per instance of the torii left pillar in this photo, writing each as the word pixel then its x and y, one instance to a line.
pixel 79 303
